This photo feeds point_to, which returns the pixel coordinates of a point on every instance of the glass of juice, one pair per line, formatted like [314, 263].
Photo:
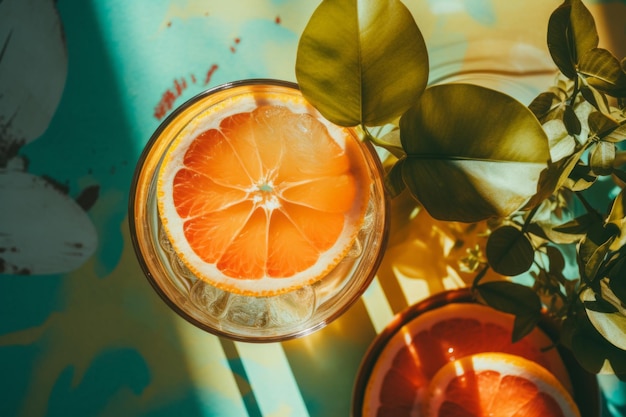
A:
[255, 218]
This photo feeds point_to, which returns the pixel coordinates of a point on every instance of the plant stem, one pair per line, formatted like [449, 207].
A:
[529, 218]
[480, 275]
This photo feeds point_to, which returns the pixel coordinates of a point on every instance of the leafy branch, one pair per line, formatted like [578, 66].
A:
[530, 170]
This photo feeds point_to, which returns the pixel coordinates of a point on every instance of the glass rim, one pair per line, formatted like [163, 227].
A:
[134, 203]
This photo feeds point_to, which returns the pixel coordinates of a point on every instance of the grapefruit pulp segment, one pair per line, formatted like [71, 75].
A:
[218, 157]
[289, 249]
[328, 194]
[417, 351]
[264, 199]
[497, 384]
[196, 193]
[245, 254]
[461, 329]
[212, 235]
[307, 221]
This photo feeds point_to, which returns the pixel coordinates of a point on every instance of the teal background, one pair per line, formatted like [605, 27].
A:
[96, 341]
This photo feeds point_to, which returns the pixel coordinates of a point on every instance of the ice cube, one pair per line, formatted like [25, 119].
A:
[210, 299]
[292, 307]
[248, 311]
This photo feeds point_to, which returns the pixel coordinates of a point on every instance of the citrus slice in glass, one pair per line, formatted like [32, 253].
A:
[497, 384]
[404, 368]
[259, 195]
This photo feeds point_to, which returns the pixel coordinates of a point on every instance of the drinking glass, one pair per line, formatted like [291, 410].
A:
[237, 316]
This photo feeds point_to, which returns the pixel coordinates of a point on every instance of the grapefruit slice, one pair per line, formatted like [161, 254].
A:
[414, 354]
[497, 384]
[259, 195]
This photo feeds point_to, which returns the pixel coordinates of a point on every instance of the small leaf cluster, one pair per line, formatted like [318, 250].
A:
[466, 153]
[584, 116]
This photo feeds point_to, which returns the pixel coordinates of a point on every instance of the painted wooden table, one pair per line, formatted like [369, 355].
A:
[81, 91]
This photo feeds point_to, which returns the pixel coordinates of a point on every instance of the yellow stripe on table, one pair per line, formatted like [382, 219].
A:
[271, 379]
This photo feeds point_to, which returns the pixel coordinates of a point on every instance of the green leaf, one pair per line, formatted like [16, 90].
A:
[509, 252]
[621, 175]
[600, 124]
[562, 144]
[590, 349]
[391, 142]
[555, 177]
[617, 279]
[571, 34]
[524, 324]
[583, 29]
[616, 135]
[572, 124]
[557, 260]
[515, 299]
[581, 177]
[595, 98]
[612, 326]
[546, 230]
[604, 72]
[617, 217]
[593, 239]
[510, 297]
[472, 152]
[393, 180]
[576, 226]
[617, 360]
[602, 158]
[539, 230]
[361, 61]
[543, 104]
[600, 306]
[558, 41]
[594, 248]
